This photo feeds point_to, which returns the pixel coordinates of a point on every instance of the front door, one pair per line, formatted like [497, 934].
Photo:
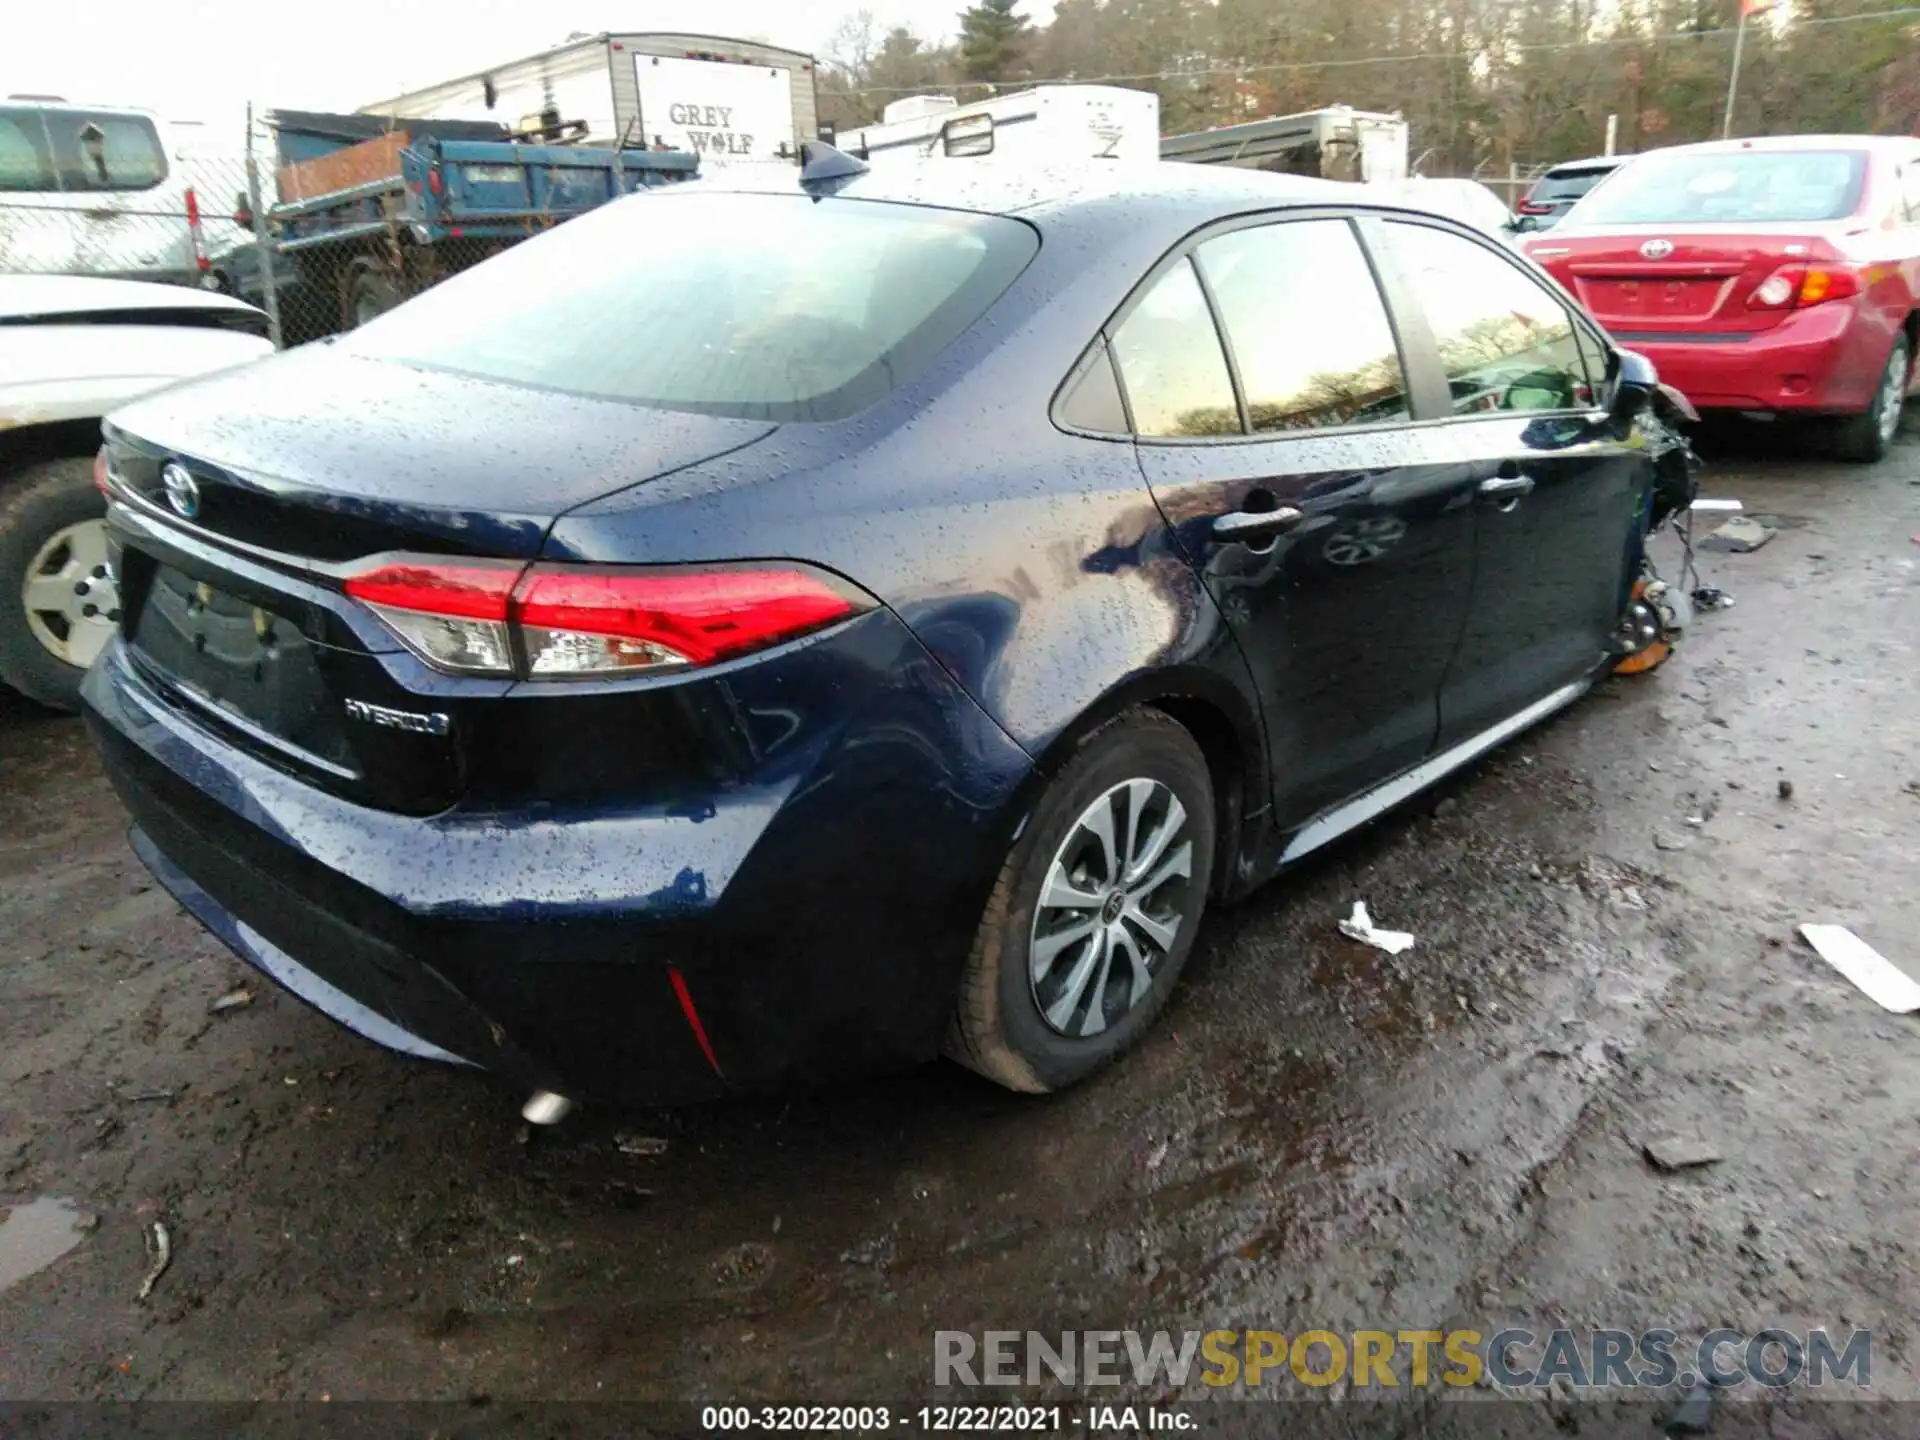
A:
[1560, 492]
[1336, 540]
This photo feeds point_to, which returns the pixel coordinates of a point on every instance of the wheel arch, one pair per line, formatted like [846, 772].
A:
[24, 445]
[1224, 723]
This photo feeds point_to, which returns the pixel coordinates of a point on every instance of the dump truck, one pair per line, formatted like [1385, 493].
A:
[374, 208]
[1334, 143]
[727, 101]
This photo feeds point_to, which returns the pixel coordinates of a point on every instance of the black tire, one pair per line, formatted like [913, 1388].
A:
[36, 503]
[999, 1030]
[1863, 438]
[369, 293]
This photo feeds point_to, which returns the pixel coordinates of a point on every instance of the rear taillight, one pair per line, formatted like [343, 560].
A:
[482, 617]
[1533, 207]
[1797, 285]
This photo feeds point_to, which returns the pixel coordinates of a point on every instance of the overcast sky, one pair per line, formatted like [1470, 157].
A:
[204, 59]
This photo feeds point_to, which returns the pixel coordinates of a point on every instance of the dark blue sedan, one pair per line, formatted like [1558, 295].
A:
[783, 627]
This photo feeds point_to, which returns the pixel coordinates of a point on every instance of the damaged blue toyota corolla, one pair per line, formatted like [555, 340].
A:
[782, 627]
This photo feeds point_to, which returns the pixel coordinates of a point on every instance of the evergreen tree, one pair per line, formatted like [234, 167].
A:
[993, 40]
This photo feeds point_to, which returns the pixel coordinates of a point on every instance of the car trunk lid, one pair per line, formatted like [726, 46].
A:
[1650, 281]
[244, 518]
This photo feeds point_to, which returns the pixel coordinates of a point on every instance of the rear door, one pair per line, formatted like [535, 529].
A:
[1267, 388]
[1559, 490]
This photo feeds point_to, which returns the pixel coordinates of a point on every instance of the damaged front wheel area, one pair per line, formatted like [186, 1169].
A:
[1656, 616]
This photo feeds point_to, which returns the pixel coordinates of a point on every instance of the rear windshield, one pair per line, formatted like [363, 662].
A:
[769, 307]
[1571, 185]
[63, 149]
[1729, 188]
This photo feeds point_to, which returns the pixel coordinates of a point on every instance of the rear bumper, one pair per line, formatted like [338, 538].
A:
[817, 921]
[1824, 360]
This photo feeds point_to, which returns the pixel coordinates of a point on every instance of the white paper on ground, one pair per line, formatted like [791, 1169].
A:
[1359, 926]
[1717, 505]
[1879, 978]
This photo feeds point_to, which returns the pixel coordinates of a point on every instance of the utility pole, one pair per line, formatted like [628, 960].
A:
[1747, 8]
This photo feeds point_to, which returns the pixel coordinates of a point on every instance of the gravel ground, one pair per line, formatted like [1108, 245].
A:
[1317, 1135]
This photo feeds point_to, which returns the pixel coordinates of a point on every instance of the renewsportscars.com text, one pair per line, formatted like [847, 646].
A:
[1391, 1359]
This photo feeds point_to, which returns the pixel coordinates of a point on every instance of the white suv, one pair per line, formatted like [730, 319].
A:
[71, 349]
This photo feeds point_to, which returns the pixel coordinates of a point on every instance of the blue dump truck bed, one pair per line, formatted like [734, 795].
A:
[374, 208]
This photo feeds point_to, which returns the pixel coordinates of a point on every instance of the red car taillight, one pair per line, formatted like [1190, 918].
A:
[1533, 207]
[1796, 285]
[487, 617]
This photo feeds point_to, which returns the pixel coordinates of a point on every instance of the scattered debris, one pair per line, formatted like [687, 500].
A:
[1359, 926]
[1741, 535]
[1883, 982]
[628, 1144]
[1664, 841]
[141, 1097]
[233, 1000]
[1671, 1152]
[87, 1222]
[1711, 597]
[1157, 1156]
[1786, 789]
[1704, 503]
[160, 1247]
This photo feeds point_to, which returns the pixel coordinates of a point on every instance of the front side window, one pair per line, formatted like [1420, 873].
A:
[1308, 328]
[97, 151]
[1729, 187]
[767, 307]
[1505, 341]
[1171, 362]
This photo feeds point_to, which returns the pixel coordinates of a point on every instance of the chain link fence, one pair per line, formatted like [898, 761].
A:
[320, 234]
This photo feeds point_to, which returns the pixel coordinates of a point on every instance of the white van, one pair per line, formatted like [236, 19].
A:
[94, 190]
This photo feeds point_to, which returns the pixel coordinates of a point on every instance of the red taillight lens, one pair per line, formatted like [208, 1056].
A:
[549, 621]
[1822, 283]
[586, 620]
[1799, 284]
[451, 613]
[1533, 207]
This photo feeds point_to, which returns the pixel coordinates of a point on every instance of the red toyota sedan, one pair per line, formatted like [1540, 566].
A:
[1778, 275]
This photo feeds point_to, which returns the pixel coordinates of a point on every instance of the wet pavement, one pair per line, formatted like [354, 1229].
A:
[1317, 1135]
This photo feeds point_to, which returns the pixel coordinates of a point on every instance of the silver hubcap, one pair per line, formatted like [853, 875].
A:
[1111, 908]
[1893, 395]
[71, 595]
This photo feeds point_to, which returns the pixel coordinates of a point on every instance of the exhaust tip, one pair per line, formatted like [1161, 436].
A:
[543, 1107]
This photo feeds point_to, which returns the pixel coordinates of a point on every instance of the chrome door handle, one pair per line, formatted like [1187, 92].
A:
[1242, 526]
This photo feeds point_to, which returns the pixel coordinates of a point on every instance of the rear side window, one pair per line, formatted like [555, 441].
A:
[1564, 187]
[1171, 362]
[1309, 331]
[98, 150]
[770, 307]
[1720, 187]
[26, 161]
[1506, 342]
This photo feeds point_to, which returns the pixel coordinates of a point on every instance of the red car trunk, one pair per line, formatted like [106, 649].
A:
[1641, 280]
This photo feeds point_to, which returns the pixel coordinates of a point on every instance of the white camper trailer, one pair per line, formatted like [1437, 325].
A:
[1335, 143]
[1050, 122]
[726, 100]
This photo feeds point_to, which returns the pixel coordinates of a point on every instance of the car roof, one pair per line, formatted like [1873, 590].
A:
[1596, 162]
[35, 296]
[1167, 197]
[1793, 142]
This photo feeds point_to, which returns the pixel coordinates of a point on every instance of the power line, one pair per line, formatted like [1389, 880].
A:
[1292, 66]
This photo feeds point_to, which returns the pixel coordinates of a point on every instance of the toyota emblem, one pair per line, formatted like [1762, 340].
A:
[1657, 249]
[183, 492]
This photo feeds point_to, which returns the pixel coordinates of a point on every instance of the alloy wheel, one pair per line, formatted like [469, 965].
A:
[1893, 394]
[71, 596]
[1111, 907]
